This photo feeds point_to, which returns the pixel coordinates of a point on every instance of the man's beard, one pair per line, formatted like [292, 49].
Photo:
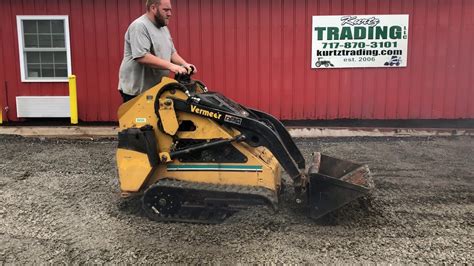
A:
[160, 21]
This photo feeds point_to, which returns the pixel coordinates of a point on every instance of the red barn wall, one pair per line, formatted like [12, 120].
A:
[258, 52]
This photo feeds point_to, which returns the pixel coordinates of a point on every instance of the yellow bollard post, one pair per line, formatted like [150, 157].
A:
[73, 99]
[1, 115]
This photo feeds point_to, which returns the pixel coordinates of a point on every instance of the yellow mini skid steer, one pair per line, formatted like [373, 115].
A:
[197, 156]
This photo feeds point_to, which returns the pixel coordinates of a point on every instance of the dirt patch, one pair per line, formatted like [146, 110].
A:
[59, 202]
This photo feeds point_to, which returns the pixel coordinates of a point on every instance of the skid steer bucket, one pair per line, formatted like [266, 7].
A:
[334, 182]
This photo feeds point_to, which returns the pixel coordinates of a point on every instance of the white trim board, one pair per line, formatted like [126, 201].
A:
[42, 106]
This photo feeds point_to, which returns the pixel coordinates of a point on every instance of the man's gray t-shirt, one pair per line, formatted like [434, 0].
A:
[143, 37]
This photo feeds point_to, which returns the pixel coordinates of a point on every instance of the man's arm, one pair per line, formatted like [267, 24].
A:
[156, 62]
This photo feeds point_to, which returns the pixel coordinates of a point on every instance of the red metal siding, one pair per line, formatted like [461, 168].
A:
[258, 53]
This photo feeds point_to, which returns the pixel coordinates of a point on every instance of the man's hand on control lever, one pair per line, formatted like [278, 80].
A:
[190, 68]
[184, 69]
[178, 69]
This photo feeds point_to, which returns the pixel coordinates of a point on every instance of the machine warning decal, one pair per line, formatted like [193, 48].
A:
[140, 120]
[233, 119]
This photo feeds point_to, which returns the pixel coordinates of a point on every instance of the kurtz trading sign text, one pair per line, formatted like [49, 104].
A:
[360, 41]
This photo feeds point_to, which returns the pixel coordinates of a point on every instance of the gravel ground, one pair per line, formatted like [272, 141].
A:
[60, 203]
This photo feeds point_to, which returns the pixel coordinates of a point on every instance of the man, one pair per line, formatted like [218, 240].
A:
[149, 52]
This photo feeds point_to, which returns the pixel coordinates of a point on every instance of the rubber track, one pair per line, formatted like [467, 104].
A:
[201, 213]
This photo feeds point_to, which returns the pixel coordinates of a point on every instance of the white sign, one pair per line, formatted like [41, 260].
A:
[360, 41]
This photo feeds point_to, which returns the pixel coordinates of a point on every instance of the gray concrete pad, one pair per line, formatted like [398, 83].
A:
[297, 132]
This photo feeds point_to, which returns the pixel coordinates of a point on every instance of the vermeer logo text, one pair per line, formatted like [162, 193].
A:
[203, 112]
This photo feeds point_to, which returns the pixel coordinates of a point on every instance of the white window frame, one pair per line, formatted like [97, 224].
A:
[19, 23]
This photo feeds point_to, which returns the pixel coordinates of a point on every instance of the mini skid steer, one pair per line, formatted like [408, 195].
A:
[196, 156]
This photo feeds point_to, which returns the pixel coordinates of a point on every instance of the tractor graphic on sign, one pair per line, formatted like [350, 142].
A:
[322, 62]
[394, 61]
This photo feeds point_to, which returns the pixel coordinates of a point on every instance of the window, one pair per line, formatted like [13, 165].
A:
[44, 48]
